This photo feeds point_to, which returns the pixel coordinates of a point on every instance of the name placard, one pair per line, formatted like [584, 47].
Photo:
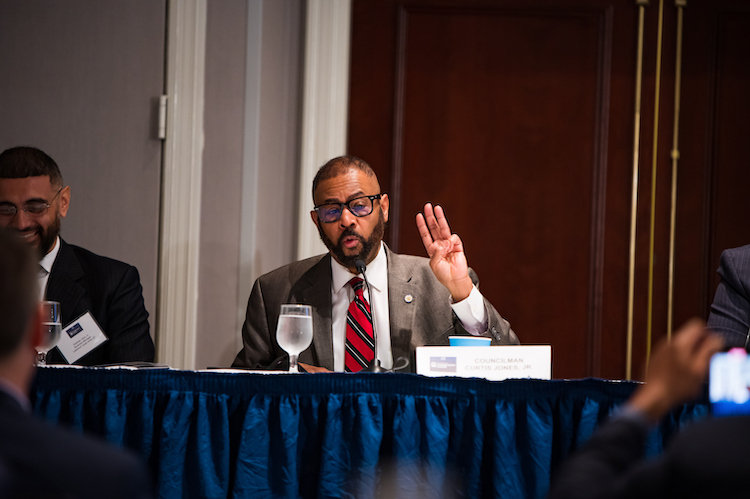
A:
[80, 337]
[495, 363]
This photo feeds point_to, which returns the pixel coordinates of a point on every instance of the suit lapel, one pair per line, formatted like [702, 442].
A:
[401, 300]
[314, 288]
[63, 284]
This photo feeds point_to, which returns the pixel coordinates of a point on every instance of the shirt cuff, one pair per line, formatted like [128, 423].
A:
[470, 311]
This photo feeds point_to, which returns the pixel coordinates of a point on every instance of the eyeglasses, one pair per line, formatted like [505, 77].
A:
[359, 207]
[34, 208]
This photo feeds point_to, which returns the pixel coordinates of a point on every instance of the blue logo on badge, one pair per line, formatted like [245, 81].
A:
[74, 329]
[443, 364]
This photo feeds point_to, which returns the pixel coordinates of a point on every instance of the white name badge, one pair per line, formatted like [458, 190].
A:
[80, 337]
[495, 363]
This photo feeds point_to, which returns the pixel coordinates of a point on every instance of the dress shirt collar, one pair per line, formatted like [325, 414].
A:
[49, 258]
[377, 272]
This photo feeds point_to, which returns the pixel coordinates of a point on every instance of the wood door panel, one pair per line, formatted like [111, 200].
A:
[497, 119]
[714, 178]
[481, 135]
[519, 118]
[732, 128]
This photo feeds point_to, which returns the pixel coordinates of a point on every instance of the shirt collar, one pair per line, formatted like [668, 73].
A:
[377, 272]
[49, 258]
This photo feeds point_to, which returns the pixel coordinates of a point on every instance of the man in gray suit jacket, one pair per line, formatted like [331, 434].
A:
[416, 301]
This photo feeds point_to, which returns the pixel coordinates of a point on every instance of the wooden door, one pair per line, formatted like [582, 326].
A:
[518, 117]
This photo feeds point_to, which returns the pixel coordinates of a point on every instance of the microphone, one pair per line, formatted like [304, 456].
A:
[374, 366]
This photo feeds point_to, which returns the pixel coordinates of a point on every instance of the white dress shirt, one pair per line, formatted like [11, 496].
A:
[470, 311]
[46, 263]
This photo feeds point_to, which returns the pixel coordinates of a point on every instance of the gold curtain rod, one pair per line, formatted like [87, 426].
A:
[654, 163]
[634, 191]
[680, 4]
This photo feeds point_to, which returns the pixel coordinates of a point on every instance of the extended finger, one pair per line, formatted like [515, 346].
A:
[442, 221]
[698, 343]
[424, 232]
[432, 223]
[689, 335]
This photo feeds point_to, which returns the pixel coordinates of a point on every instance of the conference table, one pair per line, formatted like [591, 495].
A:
[212, 434]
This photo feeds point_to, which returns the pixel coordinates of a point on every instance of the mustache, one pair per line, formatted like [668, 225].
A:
[350, 232]
[28, 230]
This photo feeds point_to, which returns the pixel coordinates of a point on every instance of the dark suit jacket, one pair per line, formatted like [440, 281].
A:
[426, 320]
[82, 281]
[708, 459]
[43, 461]
[730, 311]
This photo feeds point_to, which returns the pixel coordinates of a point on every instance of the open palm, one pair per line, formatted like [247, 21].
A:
[446, 251]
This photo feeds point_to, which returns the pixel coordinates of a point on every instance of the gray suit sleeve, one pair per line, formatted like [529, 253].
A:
[257, 342]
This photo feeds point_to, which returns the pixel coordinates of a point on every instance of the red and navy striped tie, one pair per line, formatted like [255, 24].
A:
[360, 348]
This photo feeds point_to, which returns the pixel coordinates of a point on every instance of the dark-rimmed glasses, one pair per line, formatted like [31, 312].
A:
[34, 208]
[359, 207]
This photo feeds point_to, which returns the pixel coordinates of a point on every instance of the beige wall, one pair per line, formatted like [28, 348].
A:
[81, 83]
[81, 117]
[226, 40]
[253, 61]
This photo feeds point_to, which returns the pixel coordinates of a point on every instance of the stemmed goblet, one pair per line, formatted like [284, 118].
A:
[51, 329]
[294, 331]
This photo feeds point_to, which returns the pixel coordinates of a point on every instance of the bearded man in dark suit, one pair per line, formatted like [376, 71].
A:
[415, 301]
[37, 459]
[33, 200]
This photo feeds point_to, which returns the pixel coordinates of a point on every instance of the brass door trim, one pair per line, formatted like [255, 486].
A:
[634, 192]
[680, 5]
[654, 163]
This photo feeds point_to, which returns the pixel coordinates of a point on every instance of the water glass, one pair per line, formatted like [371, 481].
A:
[294, 331]
[51, 329]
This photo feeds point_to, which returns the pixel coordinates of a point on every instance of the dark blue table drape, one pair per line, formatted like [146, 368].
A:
[338, 435]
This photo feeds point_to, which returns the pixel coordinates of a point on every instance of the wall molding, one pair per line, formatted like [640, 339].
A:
[325, 104]
[181, 185]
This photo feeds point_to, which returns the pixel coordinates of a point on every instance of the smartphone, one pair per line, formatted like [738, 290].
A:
[729, 383]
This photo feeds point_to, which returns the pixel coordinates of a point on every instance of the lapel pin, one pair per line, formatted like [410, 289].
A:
[408, 298]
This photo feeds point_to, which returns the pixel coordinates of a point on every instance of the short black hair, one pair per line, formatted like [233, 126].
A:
[338, 166]
[18, 290]
[23, 161]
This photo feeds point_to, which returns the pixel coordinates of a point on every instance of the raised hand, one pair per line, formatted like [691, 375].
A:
[677, 370]
[446, 251]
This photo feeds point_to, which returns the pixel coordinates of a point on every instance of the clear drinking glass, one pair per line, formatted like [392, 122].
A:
[51, 329]
[294, 331]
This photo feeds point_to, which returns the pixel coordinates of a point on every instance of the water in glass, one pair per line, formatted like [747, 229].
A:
[51, 334]
[294, 331]
[51, 329]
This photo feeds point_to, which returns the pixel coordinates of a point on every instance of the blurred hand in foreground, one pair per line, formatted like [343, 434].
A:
[677, 370]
